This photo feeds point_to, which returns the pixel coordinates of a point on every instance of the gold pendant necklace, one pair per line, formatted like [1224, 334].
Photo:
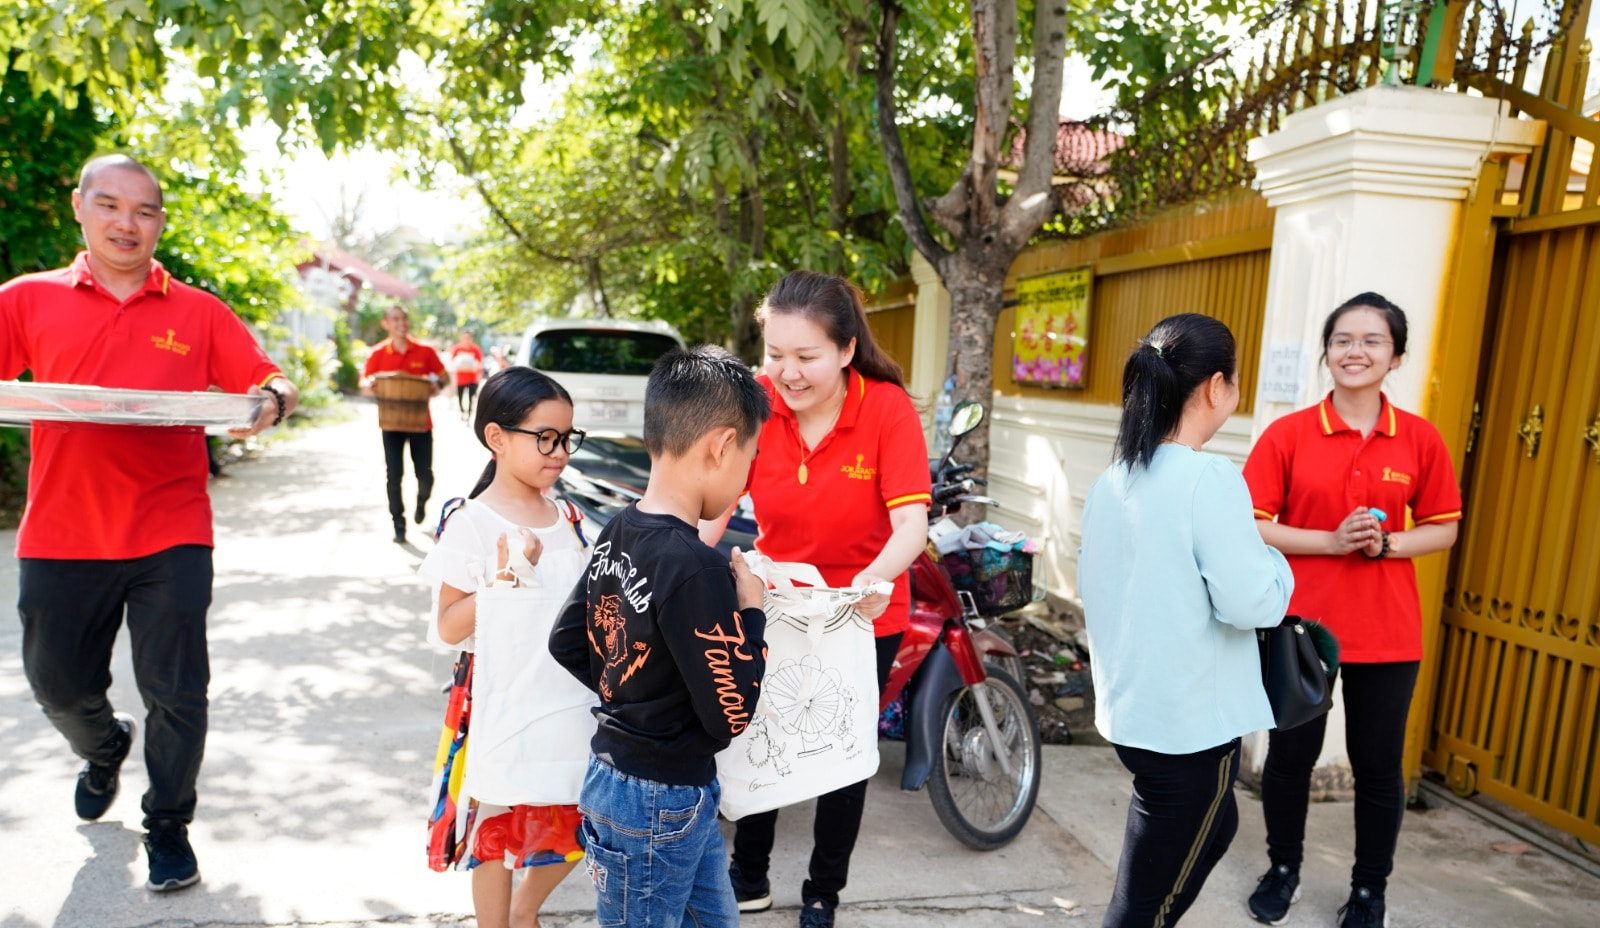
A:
[803, 472]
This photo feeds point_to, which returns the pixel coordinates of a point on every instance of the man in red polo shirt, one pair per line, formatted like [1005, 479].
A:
[118, 523]
[400, 354]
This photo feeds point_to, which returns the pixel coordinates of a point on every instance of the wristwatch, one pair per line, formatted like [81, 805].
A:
[278, 396]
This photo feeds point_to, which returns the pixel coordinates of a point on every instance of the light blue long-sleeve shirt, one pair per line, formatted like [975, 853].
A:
[1175, 579]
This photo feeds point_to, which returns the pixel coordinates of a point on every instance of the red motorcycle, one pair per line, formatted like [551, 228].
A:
[955, 694]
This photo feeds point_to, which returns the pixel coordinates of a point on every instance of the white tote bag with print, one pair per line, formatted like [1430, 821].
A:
[528, 741]
[815, 728]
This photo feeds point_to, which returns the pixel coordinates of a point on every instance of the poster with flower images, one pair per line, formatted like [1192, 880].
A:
[1050, 339]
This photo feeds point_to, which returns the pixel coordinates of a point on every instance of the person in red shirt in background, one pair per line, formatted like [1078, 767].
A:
[118, 523]
[466, 361]
[1332, 486]
[841, 482]
[399, 353]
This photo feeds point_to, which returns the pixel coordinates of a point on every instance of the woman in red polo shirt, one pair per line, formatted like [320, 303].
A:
[1332, 486]
[841, 482]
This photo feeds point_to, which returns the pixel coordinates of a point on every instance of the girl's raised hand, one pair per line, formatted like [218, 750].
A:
[1358, 531]
[509, 568]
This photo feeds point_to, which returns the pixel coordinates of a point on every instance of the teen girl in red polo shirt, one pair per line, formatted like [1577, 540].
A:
[841, 482]
[1316, 477]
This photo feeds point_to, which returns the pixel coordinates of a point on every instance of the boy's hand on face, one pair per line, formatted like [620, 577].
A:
[749, 587]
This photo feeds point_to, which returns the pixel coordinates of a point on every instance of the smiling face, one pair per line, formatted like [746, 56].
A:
[397, 323]
[517, 454]
[1360, 349]
[804, 363]
[120, 211]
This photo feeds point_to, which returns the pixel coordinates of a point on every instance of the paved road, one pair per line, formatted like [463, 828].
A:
[325, 707]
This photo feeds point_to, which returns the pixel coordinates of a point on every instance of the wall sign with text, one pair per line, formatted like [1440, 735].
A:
[1050, 340]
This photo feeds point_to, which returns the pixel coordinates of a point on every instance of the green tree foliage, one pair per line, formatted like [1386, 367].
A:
[46, 142]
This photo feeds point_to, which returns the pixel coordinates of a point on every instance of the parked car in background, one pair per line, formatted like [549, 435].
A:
[603, 363]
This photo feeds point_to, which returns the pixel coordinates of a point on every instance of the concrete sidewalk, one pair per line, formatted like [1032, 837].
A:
[326, 707]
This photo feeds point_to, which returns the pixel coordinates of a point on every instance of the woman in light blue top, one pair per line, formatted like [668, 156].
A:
[1175, 579]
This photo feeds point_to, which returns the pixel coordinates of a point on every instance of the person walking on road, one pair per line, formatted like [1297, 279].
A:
[118, 523]
[400, 354]
[841, 483]
[466, 361]
[1332, 486]
[1175, 580]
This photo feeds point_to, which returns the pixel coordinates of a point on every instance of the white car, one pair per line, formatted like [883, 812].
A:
[603, 363]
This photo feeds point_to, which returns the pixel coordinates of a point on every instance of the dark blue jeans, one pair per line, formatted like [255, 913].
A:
[654, 852]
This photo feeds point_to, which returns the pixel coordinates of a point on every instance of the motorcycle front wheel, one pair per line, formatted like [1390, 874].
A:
[981, 804]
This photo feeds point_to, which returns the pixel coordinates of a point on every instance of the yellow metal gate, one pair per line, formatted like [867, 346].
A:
[1517, 714]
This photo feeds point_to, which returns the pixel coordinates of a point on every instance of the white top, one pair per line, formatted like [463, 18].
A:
[464, 557]
[1175, 579]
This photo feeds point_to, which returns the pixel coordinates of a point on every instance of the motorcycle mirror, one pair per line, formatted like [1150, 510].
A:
[965, 418]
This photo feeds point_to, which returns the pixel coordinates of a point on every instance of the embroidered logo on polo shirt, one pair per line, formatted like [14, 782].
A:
[170, 343]
[856, 471]
[1394, 476]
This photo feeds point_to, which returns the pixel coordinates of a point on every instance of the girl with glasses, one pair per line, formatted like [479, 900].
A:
[1332, 487]
[510, 531]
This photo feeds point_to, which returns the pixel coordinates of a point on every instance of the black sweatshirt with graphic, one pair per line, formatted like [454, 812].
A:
[654, 627]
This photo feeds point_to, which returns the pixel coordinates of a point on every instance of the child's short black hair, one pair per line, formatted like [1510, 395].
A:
[692, 392]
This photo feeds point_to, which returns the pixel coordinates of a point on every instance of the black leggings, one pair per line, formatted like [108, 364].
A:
[833, 833]
[466, 394]
[1180, 823]
[1377, 699]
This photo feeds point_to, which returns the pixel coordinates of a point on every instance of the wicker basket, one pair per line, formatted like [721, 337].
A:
[403, 402]
[999, 581]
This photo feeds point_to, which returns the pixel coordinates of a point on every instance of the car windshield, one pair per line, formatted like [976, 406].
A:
[591, 351]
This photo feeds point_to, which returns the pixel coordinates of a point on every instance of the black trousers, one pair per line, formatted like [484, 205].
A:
[833, 832]
[1180, 823]
[71, 612]
[466, 395]
[394, 444]
[1377, 699]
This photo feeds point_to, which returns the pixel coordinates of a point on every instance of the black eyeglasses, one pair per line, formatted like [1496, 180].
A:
[547, 440]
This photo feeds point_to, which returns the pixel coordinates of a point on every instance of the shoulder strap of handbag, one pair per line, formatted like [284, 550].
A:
[450, 508]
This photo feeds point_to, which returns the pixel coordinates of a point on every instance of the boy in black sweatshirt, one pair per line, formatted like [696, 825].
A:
[670, 635]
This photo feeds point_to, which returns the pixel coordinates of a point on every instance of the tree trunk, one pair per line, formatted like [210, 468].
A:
[597, 286]
[977, 290]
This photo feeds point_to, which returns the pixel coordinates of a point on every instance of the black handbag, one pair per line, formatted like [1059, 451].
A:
[1297, 677]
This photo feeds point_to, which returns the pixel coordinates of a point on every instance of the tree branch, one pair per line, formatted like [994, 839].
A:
[994, 47]
[905, 191]
[1032, 203]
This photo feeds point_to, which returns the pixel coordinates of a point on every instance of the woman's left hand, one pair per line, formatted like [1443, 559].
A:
[874, 605]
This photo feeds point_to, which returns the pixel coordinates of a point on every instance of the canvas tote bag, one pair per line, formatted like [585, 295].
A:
[814, 729]
[531, 723]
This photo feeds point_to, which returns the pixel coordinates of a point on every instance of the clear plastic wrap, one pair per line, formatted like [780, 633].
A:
[62, 402]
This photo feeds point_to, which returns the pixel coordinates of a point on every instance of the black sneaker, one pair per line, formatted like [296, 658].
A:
[98, 783]
[1277, 889]
[816, 914]
[1364, 909]
[172, 862]
[751, 897]
[421, 514]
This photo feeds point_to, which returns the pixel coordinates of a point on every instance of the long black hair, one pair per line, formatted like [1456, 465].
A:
[507, 398]
[1179, 354]
[1378, 303]
[835, 305]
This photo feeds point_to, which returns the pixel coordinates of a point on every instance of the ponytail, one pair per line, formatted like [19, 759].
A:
[1180, 353]
[836, 306]
[483, 481]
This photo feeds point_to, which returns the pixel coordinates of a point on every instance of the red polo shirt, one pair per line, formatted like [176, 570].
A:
[1310, 470]
[874, 460]
[469, 375]
[112, 492]
[418, 360]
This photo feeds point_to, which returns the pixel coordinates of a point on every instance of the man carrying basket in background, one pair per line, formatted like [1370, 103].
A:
[404, 374]
[118, 522]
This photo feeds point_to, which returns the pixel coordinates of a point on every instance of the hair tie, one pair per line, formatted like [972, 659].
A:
[1158, 350]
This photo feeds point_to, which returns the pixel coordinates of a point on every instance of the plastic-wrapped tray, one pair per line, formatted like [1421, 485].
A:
[62, 402]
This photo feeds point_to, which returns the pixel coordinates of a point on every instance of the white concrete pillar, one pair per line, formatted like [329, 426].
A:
[930, 338]
[1369, 190]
